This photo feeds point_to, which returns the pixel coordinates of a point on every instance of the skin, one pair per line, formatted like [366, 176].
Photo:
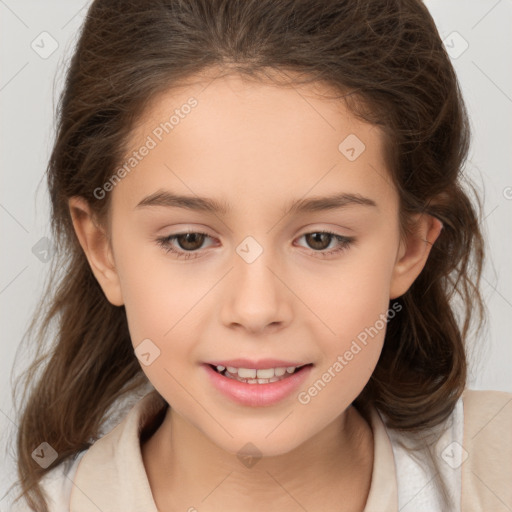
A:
[256, 146]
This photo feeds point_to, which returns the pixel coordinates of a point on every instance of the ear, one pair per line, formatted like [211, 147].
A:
[413, 253]
[96, 245]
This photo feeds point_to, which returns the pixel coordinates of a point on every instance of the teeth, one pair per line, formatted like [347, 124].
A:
[247, 373]
[266, 373]
[254, 376]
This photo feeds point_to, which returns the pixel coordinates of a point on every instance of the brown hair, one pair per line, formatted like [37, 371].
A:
[388, 63]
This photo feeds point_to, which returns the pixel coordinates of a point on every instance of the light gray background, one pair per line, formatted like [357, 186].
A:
[29, 87]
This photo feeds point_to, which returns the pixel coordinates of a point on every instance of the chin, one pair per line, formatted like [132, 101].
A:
[267, 441]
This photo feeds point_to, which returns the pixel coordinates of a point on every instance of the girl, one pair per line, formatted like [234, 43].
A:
[263, 231]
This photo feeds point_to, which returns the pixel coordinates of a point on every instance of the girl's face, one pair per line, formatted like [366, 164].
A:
[263, 282]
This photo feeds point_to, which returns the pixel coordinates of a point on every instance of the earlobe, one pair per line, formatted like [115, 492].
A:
[96, 246]
[413, 254]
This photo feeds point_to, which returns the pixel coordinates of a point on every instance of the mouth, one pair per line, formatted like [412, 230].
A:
[260, 375]
[267, 385]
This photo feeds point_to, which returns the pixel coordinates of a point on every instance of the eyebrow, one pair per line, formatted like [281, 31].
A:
[312, 204]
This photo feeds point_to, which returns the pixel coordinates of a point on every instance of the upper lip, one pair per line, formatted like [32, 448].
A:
[257, 365]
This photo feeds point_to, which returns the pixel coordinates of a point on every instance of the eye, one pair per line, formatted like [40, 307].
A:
[320, 240]
[189, 242]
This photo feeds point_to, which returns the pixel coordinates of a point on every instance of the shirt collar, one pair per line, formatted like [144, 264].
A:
[111, 475]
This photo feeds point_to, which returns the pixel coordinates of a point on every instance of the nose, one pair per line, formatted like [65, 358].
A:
[256, 298]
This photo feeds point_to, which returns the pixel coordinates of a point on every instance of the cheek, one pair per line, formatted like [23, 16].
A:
[157, 291]
[353, 295]
[159, 303]
[164, 303]
[353, 303]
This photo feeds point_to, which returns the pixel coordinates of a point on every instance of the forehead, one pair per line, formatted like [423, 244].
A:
[231, 137]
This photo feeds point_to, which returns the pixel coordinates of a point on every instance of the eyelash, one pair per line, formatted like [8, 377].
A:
[165, 242]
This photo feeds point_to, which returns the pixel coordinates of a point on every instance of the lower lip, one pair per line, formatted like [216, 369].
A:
[257, 395]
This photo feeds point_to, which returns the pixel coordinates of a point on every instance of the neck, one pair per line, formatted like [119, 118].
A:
[183, 464]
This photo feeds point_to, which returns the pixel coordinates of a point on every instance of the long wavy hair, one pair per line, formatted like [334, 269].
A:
[386, 59]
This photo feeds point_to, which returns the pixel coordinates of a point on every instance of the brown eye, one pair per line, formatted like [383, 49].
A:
[190, 241]
[319, 240]
[188, 244]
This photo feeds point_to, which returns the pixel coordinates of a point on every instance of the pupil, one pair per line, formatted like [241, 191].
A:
[316, 239]
[192, 236]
